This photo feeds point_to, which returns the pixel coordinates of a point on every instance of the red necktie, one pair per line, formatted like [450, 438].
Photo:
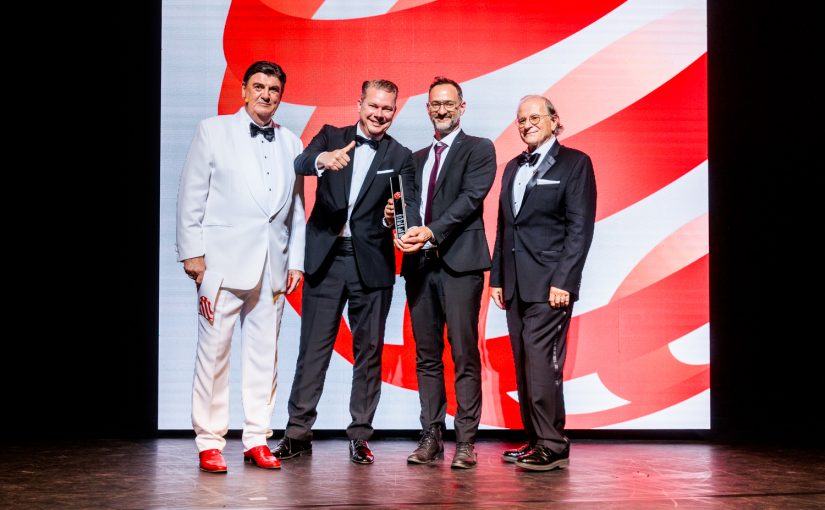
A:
[428, 208]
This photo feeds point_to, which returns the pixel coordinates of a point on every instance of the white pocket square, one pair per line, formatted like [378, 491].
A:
[385, 171]
[539, 182]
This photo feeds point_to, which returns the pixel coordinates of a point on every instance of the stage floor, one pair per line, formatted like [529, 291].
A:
[615, 474]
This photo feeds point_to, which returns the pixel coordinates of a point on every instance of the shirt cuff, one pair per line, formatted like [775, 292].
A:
[319, 171]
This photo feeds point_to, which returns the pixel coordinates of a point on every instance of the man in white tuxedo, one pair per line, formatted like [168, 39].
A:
[240, 236]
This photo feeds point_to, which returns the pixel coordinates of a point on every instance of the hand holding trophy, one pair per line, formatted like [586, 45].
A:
[399, 208]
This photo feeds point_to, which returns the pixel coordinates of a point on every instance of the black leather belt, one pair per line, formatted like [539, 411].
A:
[431, 254]
[343, 246]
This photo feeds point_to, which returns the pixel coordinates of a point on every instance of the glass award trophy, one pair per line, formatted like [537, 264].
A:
[398, 201]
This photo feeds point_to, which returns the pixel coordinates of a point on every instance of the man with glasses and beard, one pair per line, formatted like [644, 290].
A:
[445, 257]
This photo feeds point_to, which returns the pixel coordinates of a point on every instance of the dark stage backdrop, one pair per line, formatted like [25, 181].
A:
[764, 215]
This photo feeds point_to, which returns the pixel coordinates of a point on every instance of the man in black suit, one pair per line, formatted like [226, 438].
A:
[349, 259]
[444, 263]
[547, 211]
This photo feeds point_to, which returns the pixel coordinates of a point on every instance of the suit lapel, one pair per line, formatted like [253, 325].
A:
[444, 165]
[548, 161]
[507, 187]
[248, 163]
[545, 165]
[285, 176]
[349, 135]
[383, 145]
[420, 159]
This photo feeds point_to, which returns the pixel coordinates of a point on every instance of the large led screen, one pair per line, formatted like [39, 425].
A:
[629, 80]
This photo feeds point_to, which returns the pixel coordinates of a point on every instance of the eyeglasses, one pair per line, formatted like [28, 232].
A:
[534, 119]
[448, 105]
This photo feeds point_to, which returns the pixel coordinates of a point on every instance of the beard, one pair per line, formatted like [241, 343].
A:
[446, 125]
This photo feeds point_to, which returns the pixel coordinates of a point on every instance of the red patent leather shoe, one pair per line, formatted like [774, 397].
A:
[262, 457]
[212, 461]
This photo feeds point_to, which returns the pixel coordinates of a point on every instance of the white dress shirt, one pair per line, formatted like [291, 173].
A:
[525, 172]
[269, 161]
[428, 169]
[361, 161]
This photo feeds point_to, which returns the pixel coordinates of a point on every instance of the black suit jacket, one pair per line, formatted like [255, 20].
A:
[547, 243]
[465, 178]
[371, 240]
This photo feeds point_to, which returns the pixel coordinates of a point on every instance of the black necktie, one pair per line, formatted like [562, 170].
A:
[268, 132]
[369, 141]
[528, 159]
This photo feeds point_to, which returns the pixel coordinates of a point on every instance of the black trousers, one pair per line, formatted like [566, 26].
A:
[538, 335]
[436, 297]
[323, 300]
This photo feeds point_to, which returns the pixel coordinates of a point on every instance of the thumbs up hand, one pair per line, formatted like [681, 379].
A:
[335, 160]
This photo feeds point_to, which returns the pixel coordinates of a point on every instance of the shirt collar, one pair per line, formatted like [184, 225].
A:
[447, 140]
[360, 131]
[544, 148]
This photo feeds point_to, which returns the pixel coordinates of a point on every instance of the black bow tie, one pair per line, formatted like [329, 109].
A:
[369, 141]
[528, 159]
[268, 132]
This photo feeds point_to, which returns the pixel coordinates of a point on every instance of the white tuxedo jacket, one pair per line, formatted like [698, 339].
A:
[223, 209]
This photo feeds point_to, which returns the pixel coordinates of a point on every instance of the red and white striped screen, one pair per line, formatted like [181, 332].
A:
[629, 80]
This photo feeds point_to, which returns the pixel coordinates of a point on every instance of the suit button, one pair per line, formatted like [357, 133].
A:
[513, 250]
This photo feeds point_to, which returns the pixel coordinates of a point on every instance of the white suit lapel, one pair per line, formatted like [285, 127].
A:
[248, 162]
[284, 176]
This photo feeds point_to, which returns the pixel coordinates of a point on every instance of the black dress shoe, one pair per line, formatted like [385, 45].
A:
[512, 455]
[430, 447]
[288, 448]
[359, 452]
[541, 458]
[465, 456]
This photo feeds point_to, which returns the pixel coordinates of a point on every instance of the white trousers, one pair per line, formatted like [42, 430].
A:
[260, 313]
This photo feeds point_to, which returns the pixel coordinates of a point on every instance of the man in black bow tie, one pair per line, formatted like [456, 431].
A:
[546, 216]
[349, 260]
[240, 236]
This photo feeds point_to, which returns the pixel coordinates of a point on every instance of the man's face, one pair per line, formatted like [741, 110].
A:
[262, 94]
[376, 111]
[445, 108]
[533, 110]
